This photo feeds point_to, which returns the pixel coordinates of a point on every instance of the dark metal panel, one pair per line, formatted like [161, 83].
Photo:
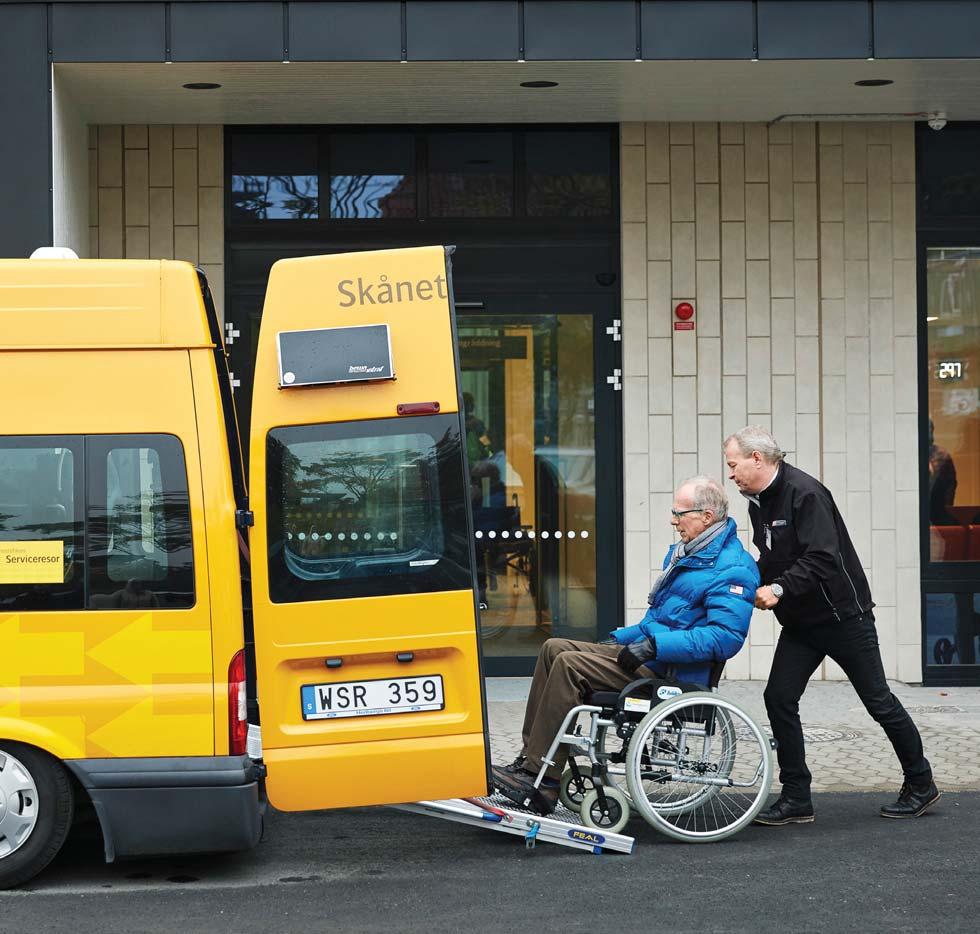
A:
[698, 29]
[226, 32]
[927, 29]
[345, 32]
[108, 32]
[814, 29]
[481, 30]
[25, 154]
[576, 30]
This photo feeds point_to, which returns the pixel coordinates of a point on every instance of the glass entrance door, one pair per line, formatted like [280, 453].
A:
[529, 391]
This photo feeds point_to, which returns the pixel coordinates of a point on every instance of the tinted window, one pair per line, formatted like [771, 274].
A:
[471, 174]
[274, 177]
[953, 628]
[366, 509]
[41, 512]
[117, 508]
[568, 174]
[950, 177]
[372, 175]
[139, 539]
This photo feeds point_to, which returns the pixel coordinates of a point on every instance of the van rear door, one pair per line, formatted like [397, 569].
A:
[368, 655]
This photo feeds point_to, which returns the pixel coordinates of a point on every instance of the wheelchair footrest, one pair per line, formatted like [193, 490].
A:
[497, 813]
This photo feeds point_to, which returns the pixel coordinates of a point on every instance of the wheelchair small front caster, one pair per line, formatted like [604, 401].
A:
[613, 818]
[572, 790]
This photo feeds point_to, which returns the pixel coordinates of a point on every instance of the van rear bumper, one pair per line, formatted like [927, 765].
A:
[155, 807]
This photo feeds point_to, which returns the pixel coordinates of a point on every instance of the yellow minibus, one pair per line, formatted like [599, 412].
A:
[136, 578]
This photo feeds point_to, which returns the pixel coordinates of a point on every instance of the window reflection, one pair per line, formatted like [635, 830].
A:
[954, 404]
[372, 175]
[471, 174]
[274, 176]
[952, 628]
[568, 174]
[276, 197]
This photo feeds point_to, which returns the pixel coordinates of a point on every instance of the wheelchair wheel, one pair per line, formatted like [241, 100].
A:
[569, 793]
[699, 768]
[614, 818]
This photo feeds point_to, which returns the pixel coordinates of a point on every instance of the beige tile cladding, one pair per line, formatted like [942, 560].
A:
[157, 193]
[797, 245]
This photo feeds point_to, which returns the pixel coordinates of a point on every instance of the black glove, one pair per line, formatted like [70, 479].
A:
[635, 654]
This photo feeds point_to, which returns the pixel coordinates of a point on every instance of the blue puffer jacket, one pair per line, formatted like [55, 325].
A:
[701, 613]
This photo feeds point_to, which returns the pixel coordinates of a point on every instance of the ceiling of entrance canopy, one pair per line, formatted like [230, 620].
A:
[491, 92]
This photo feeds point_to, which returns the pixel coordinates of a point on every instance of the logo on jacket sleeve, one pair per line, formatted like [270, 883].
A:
[736, 588]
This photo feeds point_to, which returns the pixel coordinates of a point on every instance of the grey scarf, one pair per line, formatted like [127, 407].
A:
[683, 550]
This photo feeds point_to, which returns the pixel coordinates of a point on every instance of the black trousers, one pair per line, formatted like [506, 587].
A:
[853, 644]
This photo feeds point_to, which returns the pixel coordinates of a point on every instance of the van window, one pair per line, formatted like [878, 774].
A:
[139, 536]
[367, 509]
[118, 507]
[41, 505]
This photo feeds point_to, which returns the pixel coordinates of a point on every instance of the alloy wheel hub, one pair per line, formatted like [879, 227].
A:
[18, 805]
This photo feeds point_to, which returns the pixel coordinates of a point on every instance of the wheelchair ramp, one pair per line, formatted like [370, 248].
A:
[562, 826]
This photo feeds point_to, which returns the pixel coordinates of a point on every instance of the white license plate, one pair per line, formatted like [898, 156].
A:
[371, 698]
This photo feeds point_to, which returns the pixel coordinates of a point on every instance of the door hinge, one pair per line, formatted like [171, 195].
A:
[244, 518]
[615, 330]
[615, 380]
[231, 332]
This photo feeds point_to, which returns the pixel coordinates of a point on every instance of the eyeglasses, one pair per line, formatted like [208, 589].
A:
[683, 512]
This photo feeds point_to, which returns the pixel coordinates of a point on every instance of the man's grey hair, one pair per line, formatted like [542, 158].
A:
[754, 438]
[708, 493]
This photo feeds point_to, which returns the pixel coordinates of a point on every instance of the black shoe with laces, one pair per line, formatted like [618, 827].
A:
[786, 810]
[516, 766]
[519, 787]
[912, 801]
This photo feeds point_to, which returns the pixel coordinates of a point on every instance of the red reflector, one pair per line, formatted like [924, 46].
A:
[237, 714]
[418, 408]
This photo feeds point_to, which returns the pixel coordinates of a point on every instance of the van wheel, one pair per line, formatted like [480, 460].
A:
[36, 809]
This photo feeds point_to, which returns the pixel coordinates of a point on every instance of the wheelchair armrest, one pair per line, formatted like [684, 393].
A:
[634, 686]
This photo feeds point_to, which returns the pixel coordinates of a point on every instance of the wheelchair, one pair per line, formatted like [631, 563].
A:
[693, 765]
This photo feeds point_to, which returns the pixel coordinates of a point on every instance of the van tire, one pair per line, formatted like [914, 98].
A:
[55, 810]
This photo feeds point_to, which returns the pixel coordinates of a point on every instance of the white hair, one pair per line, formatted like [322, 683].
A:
[708, 493]
[754, 438]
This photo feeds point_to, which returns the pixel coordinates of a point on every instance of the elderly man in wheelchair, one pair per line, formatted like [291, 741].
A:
[656, 742]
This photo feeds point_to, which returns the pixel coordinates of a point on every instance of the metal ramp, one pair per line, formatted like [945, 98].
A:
[496, 812]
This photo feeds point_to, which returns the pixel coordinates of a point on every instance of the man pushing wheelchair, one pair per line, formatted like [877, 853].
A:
[699, 611]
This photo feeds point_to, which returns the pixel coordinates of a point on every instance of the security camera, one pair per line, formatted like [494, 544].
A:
[937, 121]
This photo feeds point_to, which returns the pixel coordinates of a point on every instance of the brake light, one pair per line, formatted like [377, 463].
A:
[237, 713]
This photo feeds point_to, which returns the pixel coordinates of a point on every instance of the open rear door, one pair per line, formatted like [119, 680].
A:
[368, 656]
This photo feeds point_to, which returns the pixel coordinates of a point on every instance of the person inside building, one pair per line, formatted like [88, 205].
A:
[699, 612]
[942, 481]
[812, 579]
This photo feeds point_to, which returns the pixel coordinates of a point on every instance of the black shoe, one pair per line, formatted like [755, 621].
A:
[516, 766]
[912, 802]
[786, 811]
[519, 788]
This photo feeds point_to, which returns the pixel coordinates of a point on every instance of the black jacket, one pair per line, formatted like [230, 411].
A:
[804, 546]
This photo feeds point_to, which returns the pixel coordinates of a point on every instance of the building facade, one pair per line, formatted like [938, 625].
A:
[673, 218]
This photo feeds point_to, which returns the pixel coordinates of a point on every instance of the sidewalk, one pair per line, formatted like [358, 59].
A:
[846, 749]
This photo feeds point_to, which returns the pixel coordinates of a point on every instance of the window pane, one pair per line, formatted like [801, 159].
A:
[140, 534]
[37, 514]
[950, 177]
[274, 177]
[372, 175]
[366, 509]
[471, 174]
[952, 628]
[954, 403]
[568, 174]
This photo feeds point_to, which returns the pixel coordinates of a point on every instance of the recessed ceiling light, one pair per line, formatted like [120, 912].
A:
[539, 84]
[202, 86]
[873, 82]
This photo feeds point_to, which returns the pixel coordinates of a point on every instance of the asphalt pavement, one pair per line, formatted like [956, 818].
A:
[380, 870]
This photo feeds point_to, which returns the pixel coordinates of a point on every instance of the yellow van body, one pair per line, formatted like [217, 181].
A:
[133, 698]
[125, 599]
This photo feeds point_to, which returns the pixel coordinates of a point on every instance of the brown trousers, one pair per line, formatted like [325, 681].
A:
[566, 671]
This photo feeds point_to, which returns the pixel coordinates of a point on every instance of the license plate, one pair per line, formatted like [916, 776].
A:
[371, 698]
